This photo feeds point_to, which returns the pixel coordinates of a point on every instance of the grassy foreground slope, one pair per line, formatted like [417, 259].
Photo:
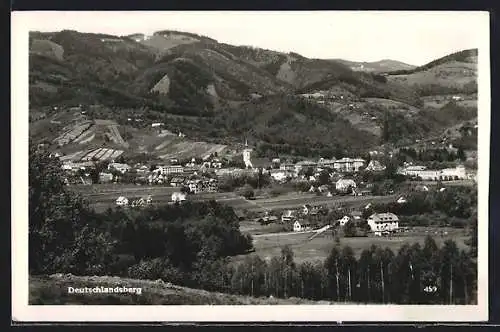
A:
[53, 290]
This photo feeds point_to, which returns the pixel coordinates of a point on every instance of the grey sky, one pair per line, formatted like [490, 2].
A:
[412, 37]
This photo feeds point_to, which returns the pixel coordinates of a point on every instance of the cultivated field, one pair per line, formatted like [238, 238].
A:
[269, 245]
[296, 200]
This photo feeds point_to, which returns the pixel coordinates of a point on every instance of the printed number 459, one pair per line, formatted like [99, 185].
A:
[430, 289]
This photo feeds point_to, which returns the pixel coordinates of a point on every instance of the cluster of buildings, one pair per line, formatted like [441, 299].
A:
[446, 174]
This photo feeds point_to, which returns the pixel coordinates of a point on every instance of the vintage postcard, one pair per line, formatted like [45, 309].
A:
[314, 166]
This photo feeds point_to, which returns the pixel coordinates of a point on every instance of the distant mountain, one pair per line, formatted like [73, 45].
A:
[205, 88]
[381, 66]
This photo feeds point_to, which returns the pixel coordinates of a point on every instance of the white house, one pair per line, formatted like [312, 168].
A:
[344, 220]
[178, 197]
[348, 164]
[121, 201]
[170, 169]
[343, 185]
[300, 226]
[383, 222]
[122, 168]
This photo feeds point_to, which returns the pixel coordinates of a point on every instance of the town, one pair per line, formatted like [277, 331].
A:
[329, 180]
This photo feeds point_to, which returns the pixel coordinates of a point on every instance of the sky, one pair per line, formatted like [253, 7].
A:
[411, 37]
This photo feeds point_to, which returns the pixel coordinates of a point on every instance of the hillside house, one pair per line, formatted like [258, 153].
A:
[383, 222]
[288, 216]
[301, 226]
[375, 166]
[348, 165]
[178, 197]
[345, 185]
[306, 209]
[121, 201]
[122, 168]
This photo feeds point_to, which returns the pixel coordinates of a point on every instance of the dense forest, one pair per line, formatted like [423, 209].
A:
[191, 245]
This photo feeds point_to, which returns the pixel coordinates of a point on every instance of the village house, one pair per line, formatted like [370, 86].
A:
[279, 175]
[267, 218]
[303, 165]
[421, 188]
[344, 220]
[348, 165]
[121, 201]
[375, 166]
[383, 222]
[122, 168]
[356, 215]
[195, 186]
[170, 169]
[177, 181]
[287, 167]
[301, 226]
[105, 177]
[288, 216]
[345, 185]
[210, 185]
[326, 163]
[178, 197]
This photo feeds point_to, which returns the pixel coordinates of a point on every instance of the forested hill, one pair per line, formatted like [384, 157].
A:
[203, 81]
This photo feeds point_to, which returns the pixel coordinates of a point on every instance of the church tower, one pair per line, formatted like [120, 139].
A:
[247, 152]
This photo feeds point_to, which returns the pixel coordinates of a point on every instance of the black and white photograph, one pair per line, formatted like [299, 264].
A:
[284, 166]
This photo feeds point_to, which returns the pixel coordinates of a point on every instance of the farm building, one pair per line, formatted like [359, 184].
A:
[357, 215]
[381, 222]
[288, 216]
[421, 188]
[178, 197]
[345, 185]
[267, 218]
[121, 201]
[301, 226]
